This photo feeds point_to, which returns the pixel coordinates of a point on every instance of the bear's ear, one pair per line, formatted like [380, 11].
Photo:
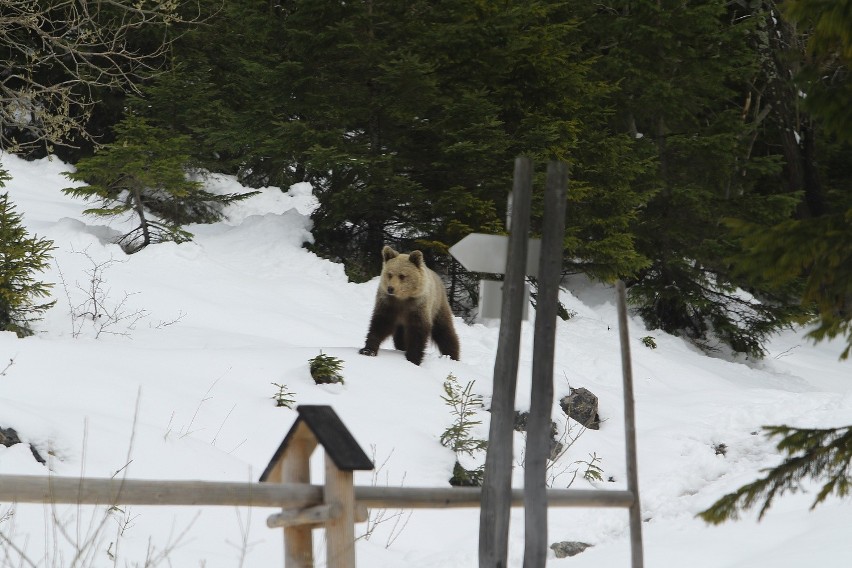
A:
[416, 258]
[388, 253]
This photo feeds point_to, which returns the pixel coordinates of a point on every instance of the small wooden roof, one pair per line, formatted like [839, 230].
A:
[331, 434]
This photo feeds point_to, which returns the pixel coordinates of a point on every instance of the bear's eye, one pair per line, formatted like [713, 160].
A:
[402, 276]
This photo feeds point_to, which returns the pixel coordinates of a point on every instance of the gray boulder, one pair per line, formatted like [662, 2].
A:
[569, 548]
[582, 405]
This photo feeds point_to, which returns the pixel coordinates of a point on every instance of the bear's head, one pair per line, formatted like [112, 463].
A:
[402, 274]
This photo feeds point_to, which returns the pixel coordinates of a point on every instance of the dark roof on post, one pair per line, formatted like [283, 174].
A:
[331, 434]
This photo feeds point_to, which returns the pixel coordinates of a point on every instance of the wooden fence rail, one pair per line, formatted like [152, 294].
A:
[105, 491]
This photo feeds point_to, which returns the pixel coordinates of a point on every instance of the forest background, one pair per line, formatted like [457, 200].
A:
[709, 141]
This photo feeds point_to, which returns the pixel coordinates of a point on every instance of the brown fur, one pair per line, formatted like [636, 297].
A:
[411, 305]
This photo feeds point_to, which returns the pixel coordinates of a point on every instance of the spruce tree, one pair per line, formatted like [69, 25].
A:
[406, 118]
[810, 253]
[528, 65]
[144, 174]
[810, 454]
[687, 71]
[21, 256]
[813, 251]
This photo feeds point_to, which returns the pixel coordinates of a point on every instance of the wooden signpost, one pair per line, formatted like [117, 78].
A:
[488, 254]
[497, 486]
[544, 346]
[518, 256]
[319, 425]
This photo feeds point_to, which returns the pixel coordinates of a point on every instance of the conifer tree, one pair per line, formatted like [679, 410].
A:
[406, 118]
[21, 256]
[687, 69]
[810, 454]
[144, 174]
[811, 253]
[817, 251]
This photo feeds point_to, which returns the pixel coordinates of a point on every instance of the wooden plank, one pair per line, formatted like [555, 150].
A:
[340, 530]
[313, 517]
[635, 514]
[316, 515]
[496, 489]
[94, 491]
[466, 497]
[105, 491]
[295, 466]
[541, 399]
[335, 438]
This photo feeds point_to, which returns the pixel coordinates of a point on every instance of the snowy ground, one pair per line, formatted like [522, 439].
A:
[186, 393]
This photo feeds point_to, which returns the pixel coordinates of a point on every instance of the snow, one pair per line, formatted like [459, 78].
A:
[182, 386]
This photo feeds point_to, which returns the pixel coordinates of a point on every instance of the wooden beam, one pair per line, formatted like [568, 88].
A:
[636, 548]
[94, 491]
[312, 517]
[544, 347]
[494, 516]
[106, 491]
[340, 530]
[295, 465]
[315, 515]
[462, 497]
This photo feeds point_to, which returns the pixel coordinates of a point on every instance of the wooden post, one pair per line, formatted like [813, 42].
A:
[340, 531]
[541, 401]
[497, 486]
[636, 554]
[298, 541]
[319, 425]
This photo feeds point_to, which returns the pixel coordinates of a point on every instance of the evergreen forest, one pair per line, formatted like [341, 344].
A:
[709, 141]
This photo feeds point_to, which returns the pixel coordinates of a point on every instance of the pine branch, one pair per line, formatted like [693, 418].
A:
[815, 454]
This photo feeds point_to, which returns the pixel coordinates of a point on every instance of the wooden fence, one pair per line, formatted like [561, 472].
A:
[98, 491]
[303, 506]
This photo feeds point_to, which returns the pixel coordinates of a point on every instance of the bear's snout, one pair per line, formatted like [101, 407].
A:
[390, 290]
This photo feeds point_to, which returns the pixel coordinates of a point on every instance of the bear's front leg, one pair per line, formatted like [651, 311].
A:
[399, 338]
[417, 331]
[382, 325]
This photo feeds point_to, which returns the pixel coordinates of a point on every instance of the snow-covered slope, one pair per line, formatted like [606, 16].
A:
[179, 385]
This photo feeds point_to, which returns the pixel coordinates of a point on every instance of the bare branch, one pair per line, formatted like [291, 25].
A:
[57, 53]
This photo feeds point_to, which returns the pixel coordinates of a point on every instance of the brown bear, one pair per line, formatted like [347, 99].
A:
[411, 305]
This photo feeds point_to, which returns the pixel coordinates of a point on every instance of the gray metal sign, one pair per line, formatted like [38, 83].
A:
[479, 252]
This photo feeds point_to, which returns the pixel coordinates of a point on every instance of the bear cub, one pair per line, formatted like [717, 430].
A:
[411, 305]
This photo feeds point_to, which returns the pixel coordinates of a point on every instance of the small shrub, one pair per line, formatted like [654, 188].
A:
[463, 477]
[564, 313]
[593, 471]
[92, 306]
[464, 405]
[458, 436]
[21, 257]
[325, 369]
[283, 397]
[648, 342]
